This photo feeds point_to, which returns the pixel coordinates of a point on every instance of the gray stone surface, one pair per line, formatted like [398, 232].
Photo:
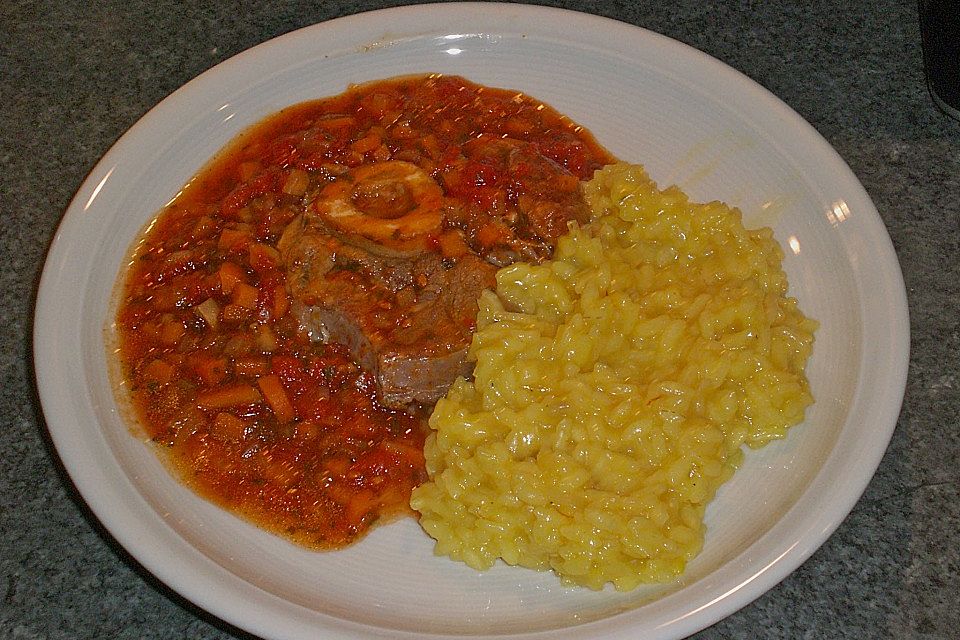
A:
[75, 75]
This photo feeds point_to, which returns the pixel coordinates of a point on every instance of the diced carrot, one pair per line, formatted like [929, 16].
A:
[228, 426]
[566, 182]
[158, 371]
[452, 244]
[353, 159]
[431, 146]
[245, 295]
[367, 143]
[361, 503]
[518, 127]
[230, 275]
[276, 397]
[263, 257]
[233, 395]
[235, 313]
[296, 183]
[234, 239]
[166, 298]
[289, 368]
[281, 303]
[150, 330]
[489, 234]
[452, 179]
[403, 130]
[404, 453]
[382, 153]
[212, 371]
[210, 283]
[389, 117]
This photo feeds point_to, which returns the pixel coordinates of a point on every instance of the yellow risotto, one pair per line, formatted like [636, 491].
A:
[614, 388]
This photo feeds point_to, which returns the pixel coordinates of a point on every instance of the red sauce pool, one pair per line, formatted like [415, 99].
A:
[250, 413]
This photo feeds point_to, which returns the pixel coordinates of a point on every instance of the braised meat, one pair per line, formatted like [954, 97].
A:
[405, 311]
[407, 320]
[390, 262]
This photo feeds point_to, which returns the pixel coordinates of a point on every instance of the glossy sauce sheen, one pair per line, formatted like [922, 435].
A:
[254, 416]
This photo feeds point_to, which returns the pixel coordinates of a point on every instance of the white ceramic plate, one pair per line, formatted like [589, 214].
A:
[691, 121]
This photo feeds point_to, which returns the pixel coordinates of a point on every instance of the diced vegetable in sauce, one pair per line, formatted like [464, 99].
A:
[253, 414]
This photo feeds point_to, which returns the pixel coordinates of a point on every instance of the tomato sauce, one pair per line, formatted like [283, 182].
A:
[252, 414]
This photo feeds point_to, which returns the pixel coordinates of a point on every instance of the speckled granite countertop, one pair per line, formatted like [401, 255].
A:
[76, 75]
